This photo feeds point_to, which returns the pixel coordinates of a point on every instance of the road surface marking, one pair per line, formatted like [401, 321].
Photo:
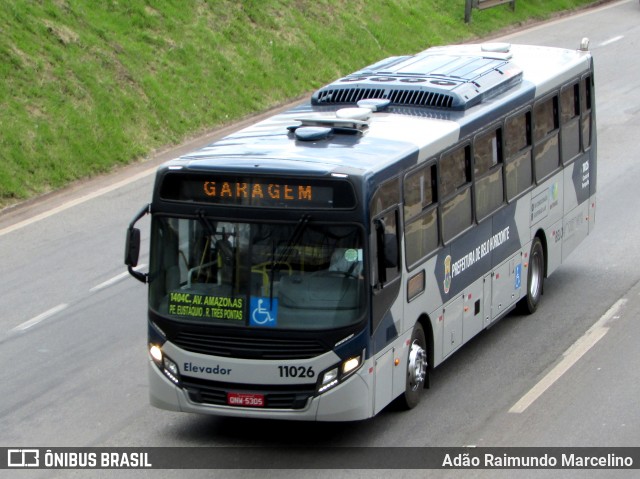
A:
[571, 356]
[41, 317]
[77, 201]
[114, 280]
[610, 41]
[588, 11]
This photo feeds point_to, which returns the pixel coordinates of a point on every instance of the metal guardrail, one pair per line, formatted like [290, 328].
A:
[482, 4]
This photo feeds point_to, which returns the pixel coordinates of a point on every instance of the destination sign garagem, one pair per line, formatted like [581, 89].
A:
[258, 192]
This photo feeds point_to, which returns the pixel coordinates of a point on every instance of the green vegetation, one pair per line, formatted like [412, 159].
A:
[89, 85]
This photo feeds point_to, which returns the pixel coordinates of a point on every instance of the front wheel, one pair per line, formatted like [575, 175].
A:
[416, 369]
[535, 278]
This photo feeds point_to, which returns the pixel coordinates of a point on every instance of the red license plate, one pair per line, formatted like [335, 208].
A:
[245, 400]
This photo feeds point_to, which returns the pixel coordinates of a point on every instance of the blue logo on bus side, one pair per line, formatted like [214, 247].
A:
[518, 273]
[263, 312]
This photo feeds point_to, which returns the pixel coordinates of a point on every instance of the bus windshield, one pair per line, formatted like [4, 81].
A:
[296, 276]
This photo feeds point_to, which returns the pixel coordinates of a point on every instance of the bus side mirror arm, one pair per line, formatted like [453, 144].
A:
[132, 246]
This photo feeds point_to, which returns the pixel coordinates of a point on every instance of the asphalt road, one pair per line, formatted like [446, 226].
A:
[73, 325]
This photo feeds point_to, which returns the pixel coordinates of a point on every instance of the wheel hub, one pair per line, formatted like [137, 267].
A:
[536, 274]
[417, 367]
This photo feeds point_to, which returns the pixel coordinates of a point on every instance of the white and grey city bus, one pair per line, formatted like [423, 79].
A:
[317, 265]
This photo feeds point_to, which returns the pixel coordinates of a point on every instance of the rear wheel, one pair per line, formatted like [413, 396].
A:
[416, 369]
[535, 278]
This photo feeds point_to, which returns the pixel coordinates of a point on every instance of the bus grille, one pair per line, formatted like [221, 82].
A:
[248, 347]
[276, 397]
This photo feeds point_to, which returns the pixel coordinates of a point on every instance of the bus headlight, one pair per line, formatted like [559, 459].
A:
[329, 379]
[156, 354]
[336, 375]
[164, 363]
[351, 365]
[171, 370]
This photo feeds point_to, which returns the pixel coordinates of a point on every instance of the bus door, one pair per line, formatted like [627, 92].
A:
[387, 302]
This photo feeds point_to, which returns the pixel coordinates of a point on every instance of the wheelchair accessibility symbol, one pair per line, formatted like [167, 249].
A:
[264, 312]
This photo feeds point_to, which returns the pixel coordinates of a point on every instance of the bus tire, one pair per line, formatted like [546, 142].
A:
[417, 369]
[535, 278]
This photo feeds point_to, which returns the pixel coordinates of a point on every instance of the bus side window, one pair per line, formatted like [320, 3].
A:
[546, 156]
[487, 160]
[420, 213]
[385, 231]
[517, 152]
[387, 195]
[386, 228]
[570, 122]
[455, 185]
[585, 109]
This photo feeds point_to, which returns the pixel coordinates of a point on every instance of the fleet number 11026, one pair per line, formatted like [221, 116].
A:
[296, 372]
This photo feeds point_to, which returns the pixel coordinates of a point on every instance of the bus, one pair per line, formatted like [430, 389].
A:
[317, 265]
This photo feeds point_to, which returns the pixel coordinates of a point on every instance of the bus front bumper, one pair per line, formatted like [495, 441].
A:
[348, 401]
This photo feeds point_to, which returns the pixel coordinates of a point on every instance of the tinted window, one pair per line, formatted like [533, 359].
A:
[569, 122]
[518, 174]
[419, 191]
[517, 141]
[420, 213]
[486, 151]
[454, 170]
[421, 236]
[517, 133]
[544, 118]
[585, 102]
[546, 156]
[487, 160]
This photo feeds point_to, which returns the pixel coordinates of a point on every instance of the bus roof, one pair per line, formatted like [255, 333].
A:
[481, 81]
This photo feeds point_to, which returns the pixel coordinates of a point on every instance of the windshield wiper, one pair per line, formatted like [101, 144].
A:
[205, 222]
[294, 240]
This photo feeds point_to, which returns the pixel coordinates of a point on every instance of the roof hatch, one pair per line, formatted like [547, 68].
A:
[436, 78]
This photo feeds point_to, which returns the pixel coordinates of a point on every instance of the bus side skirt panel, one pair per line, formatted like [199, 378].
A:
[383, 380]
[575, 228]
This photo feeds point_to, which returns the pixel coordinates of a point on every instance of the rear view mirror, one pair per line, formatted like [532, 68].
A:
[132, 247]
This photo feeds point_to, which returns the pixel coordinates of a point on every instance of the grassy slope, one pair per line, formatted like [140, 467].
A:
[89, 85]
